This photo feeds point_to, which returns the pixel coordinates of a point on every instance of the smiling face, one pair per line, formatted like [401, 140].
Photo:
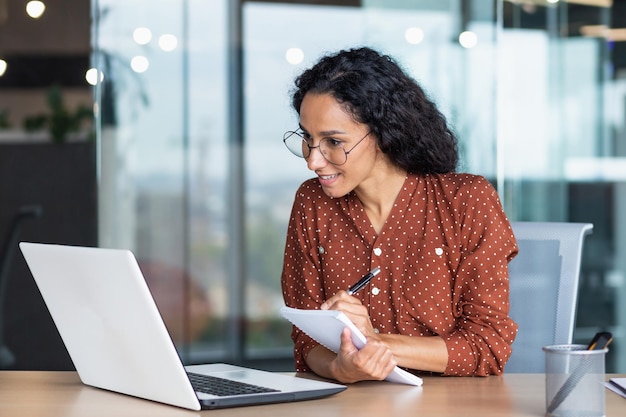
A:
[323, 118]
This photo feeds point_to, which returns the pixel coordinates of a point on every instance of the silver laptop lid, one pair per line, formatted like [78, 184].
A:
[114, 333]
[109, 322]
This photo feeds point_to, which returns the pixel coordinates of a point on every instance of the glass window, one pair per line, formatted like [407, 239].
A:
[164, 160]
[195, 179]
[426, 42]
[558, 134]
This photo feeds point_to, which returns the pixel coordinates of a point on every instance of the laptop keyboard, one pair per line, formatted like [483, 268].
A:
[223, 387]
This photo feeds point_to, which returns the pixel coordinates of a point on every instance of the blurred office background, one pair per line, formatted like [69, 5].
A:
[184, 162]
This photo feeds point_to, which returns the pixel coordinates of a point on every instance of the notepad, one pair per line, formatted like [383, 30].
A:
[325, 326]
[617, 385]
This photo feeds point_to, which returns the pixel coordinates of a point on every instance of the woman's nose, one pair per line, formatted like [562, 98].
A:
[315, 160]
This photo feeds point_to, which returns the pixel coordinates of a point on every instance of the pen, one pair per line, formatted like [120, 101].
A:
[600, 341]
[363, 281]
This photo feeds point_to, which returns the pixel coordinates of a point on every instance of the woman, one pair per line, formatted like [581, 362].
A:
[386, 195]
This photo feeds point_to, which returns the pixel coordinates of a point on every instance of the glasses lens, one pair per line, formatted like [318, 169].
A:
[330, 149]
[333, 151]
[295, 143]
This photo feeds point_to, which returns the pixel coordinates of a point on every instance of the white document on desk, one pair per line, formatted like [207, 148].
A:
[617, 385]
[326, 326]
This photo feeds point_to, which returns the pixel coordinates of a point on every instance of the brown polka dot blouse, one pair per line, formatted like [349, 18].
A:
[443, 254]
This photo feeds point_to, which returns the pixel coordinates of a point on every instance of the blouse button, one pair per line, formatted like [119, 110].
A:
[378, 251]
[376, 331]
[375, 291]
[439, 251]
[320, 249]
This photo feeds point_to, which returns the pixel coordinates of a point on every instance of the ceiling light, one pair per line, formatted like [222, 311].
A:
[294, 56]
[139, 63]
[92, 75]
[468, 39]
[35, 9]
[414, 35]
[142, 35]
[168, 42]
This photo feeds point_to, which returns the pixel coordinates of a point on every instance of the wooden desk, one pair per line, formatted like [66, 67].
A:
[56, 394]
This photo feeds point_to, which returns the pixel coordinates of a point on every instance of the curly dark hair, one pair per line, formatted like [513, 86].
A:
[374, 90]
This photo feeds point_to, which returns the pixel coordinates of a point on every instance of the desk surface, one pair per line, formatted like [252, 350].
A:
[46, 394]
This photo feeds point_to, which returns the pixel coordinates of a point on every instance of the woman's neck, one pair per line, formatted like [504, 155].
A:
[378, 195]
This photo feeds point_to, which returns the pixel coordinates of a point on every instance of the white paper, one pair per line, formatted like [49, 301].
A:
[326, 326]
[621, 382]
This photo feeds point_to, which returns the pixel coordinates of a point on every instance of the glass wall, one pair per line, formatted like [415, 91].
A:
[561, 126]
[195, 179]
[163, 140]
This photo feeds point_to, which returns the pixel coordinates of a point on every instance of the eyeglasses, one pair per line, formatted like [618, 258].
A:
[331, 149]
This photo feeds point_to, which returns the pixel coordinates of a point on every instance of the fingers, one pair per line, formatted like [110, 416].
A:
[339, 300]
[346, 303]
[374, 361]
[347, 348]
[354, 309]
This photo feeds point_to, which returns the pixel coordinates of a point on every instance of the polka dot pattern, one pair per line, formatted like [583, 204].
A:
[443, 254]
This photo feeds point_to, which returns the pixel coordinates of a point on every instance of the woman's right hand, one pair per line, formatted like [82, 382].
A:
[355, 310]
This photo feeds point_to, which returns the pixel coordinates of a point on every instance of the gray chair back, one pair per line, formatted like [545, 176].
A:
[544, 280]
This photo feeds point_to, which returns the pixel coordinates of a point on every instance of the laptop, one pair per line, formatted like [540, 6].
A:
[117, 340]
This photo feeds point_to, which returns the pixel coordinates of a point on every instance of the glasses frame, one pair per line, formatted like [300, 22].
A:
[300, 134]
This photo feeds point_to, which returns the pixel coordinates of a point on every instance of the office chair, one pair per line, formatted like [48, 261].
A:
[544, 289]
[6, 254]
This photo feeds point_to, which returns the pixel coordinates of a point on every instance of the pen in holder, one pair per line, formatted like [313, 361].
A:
[575, 378]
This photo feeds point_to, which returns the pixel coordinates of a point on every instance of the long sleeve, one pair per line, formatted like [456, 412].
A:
[481, 342]
[299, 268]
[443, 254]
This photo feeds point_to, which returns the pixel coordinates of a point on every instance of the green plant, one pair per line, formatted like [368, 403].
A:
[60, 121]
[4, 119]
